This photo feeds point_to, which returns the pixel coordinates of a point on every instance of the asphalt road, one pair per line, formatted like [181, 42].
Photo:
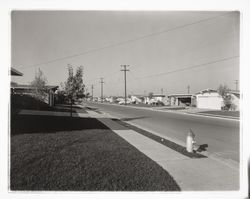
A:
[221, 135]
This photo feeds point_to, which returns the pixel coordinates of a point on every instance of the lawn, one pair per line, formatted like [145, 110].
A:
[29, 102]
[19, 101]
[79, 154]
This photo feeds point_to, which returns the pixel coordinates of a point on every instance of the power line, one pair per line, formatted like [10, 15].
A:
[125, 42]
[105, 76]
[190, 67]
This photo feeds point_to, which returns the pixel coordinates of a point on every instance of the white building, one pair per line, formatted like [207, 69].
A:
[156, 98]
[137, 99]
[209, 99]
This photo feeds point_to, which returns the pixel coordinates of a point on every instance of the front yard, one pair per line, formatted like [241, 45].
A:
[78, 154]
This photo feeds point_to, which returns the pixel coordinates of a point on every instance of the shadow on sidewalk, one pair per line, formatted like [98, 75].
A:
[133, 118]
[48, 124]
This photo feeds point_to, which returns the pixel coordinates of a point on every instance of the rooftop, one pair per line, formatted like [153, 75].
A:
[180, 95]
[15, 72]
[25, 86]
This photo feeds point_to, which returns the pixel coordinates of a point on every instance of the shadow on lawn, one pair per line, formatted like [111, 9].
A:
[48, 124]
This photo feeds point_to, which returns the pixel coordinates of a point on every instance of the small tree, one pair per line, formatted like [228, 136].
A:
[39, 83]
[223, 90]
[150, 95]
[74, 87]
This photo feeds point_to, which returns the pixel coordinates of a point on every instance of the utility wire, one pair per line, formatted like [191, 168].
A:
[125, 42]
[168, 72]
[188, 68]
[105, 76]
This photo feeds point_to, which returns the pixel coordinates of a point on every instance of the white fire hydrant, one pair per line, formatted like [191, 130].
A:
[190, 141]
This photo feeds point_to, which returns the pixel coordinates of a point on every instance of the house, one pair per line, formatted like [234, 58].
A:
[136, 99]
[29, 90]
[180, 99]
[110, 99]
[209, 99]
[158, 97]
[15, 72]
[154, 99]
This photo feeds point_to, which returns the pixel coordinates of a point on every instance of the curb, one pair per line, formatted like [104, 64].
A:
[213, 115]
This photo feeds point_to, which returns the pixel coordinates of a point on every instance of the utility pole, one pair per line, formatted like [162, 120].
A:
[102, 82]
[125, 71]
[162, 91]
[188, 87]
[92, 88]
[236, 85]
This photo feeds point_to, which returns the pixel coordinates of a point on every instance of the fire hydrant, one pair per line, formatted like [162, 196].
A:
[190, 141]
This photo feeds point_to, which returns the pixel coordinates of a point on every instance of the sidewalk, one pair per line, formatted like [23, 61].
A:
[191, 174]
[88, 114]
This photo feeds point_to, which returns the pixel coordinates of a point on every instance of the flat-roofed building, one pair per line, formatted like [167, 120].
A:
[209, 99]
[180, 99]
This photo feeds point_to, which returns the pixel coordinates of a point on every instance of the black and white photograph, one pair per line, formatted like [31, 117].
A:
[125, 101]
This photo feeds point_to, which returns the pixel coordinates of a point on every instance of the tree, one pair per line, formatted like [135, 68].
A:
[39, 83]
[74, 87]
[150, 95]
[223, 90]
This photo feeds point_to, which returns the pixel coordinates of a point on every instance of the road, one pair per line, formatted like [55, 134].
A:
[221, 135]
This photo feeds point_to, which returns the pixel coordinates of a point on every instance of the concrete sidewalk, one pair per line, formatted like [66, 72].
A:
[201, 174]
[89, 113]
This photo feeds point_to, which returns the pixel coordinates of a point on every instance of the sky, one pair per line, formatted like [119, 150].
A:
[165, 50]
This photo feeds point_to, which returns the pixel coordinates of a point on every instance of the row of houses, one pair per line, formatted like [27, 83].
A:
[205, 99]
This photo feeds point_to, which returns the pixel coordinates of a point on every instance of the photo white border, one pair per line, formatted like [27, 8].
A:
[6, 6]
